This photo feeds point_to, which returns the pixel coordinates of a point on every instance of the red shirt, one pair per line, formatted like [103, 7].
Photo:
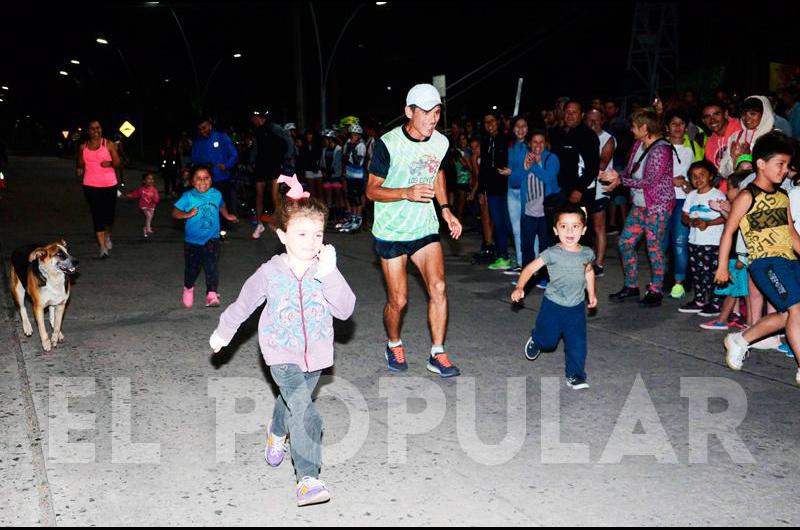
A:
[716, 146]
[148, 197]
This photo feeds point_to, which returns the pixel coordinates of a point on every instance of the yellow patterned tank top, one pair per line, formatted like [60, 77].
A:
[765, 227]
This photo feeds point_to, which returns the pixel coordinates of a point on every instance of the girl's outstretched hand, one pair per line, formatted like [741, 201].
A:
[216, 342]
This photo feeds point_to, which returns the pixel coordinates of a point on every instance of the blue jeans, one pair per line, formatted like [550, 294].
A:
[533, 228]
[676, 237]
[296, 415]
[553, 322]
[515, 215]
[498, 210]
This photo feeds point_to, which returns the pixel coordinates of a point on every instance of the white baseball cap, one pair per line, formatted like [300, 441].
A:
[424, 96]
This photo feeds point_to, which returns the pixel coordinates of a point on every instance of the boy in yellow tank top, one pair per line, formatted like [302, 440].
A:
[761, 211]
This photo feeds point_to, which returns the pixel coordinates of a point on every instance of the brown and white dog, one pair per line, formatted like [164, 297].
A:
[43, 273]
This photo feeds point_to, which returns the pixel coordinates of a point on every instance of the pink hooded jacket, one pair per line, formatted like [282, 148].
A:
[296, 326]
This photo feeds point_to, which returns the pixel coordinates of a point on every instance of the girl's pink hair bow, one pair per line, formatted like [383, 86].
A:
[295, 188]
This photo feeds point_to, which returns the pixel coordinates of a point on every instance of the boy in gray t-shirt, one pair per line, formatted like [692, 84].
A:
[563, 311]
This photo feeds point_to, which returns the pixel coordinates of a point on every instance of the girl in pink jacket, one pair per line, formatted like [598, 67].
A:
[304, 292]
[148, 198]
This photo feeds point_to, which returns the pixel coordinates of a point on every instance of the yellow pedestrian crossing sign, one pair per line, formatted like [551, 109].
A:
[127, 129]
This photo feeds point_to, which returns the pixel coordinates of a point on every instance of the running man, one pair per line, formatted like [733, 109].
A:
[405, 175]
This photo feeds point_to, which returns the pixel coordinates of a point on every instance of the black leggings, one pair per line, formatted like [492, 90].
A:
[205, 257]
[103, 205]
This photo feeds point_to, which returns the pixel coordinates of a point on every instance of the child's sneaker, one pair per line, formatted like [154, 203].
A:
[695, 306]
[715, 325]
[501, 264]
[212, 299]
[677, 291]
[258, 231]
[737, 321]
[396, 358]
[709, 310]
[736, 348]
[440, 364]
[275, 449]
[577, 383]
[786, 350]
[312, 491]
[770, 343]
[188, 297]
[532, 351]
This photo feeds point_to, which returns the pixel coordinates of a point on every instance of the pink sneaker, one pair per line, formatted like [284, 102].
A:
[188, 297]
[212, 299]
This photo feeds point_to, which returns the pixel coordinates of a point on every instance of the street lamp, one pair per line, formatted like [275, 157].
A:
[75, 61]
[324, 72]
[4, 88]
[236, 55]
[101, 40]
[63, 72]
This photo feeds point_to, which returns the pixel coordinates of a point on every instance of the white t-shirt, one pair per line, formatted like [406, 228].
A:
[599, 186]
[696, 207]
[794, 206]
[682, 158]
[637, 194]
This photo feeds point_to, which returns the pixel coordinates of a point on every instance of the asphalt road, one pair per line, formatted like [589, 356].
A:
[131, 422]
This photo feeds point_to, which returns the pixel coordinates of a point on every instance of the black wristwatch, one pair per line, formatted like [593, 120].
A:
[445, 205]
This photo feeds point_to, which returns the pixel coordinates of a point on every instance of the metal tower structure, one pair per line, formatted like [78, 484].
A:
[653, 53]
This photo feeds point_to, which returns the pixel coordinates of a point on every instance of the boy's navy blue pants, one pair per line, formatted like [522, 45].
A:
[555, 321]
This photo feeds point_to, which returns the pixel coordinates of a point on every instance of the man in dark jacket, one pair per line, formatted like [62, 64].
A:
[578, 150]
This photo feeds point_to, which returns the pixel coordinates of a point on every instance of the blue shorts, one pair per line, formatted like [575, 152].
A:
[779, 280]
[738, 287]
[395, 249]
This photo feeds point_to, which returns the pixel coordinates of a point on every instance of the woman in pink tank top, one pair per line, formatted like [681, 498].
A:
[97, 160]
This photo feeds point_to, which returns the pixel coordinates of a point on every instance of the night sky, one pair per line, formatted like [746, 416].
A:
[575, 49]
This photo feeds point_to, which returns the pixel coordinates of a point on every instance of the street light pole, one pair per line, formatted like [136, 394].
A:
[188, 52]
[324, 73]
[202, 96]
[139, 105]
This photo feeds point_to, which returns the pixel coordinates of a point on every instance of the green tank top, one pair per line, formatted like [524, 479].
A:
[410, 163]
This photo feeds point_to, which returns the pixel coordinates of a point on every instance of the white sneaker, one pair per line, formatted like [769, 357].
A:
[736, 348]
[258, 231]
[312, 491]
[797, 377]
[109, 246]
[770, 343]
